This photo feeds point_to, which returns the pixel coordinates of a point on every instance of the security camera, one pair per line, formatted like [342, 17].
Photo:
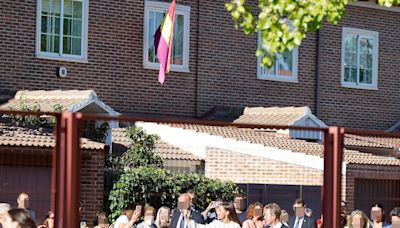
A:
[62, 72]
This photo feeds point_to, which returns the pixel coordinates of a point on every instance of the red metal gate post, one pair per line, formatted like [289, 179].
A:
[333, 152]
[66, 171]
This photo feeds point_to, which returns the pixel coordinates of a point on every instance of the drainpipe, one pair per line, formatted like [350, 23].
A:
[317, 75]
[196, 113]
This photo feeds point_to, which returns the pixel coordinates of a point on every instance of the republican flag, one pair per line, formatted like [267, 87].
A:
[163, 41]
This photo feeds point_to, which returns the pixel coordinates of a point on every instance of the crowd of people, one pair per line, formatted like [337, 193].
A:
[219, 214]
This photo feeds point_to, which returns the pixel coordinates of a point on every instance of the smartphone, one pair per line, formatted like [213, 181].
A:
[138, 208]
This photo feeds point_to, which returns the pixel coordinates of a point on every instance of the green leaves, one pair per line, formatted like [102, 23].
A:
[160, 187]
[272, 17]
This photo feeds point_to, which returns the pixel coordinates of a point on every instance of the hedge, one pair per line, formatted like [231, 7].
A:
[161, 187]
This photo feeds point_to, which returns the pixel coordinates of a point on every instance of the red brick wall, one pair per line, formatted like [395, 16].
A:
[242, 168]
[92, 175]
[349, 107]
[223, 69]
[368, 172]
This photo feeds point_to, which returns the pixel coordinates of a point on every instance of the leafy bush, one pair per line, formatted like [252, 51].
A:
[160, 187]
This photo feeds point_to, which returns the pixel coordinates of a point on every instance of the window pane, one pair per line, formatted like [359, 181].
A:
[44, 23]
[350, 44]
[68, 9]
[77, 8]
[366, 46]
[77, 28]
[177, 49]
[284, 64]
[76, 46]
[350, 74]
[44, 41]
[67, 49]
[155, 19]
[67, 27]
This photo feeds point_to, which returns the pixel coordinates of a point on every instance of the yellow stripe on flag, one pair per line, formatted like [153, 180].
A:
[167, 29]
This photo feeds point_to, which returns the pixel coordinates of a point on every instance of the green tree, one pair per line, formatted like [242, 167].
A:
[140, 152]
[283, 24]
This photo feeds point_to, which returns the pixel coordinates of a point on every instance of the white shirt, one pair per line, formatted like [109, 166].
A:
[214, 224]
[278, 225]
[123, 219]
[300, 222]
[180, 220]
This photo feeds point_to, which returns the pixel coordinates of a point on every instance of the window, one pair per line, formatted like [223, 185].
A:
[359, 58]
[283, 69]
[61, 29]
[153, 15]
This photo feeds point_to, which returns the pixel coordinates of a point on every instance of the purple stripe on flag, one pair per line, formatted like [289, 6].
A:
[162, 54]
[157, 37]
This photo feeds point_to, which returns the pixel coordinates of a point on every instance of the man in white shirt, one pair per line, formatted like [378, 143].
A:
[272, 214]
[129, 217]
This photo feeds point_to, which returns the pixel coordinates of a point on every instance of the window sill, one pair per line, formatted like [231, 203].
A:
[267, 78]
[364, 87]
[173, 68]
[62, 58]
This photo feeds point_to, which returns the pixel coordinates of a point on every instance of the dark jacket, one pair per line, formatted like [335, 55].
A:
[283, 226]
[307, 222]
[196, 216]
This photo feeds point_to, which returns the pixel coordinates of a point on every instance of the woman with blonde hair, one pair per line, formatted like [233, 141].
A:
[163, 217]
[358, 219]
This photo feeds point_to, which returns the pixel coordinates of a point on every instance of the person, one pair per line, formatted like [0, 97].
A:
[378, 216]
[4, 207]
[48, 221]
[23, 202]
[300, 220]
[308, 212]
[320, 222]
[343, 213]
[18, 218]
[163, 217]
[210, 213]
[101, 220]
[254, 216]
[284, 218]
[239, 203]
[358, 219]
[395, 217]
[193, 200]
[272, 215]
[178, 219]
[129, 217]
[149, 214]
[227, 218]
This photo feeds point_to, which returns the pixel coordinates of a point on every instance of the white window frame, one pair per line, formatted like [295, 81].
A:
[59, 56]
[276, 77]
[363, 33]
[163, 7]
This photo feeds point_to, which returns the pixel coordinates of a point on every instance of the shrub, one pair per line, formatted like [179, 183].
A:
[160, 187]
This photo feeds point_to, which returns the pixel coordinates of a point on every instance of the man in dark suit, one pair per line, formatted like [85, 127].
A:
[178, 220]
[301, 220]
[272, 214]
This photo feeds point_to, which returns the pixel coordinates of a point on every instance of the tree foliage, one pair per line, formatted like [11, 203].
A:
[283, 24]
[160, 187]
[140, 152]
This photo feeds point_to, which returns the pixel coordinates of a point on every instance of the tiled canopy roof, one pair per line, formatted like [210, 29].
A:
[69, 100]
[36, 137]
[272, 139]
[162, 148]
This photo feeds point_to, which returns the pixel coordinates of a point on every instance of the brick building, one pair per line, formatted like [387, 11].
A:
[25, 166]
[106, 46]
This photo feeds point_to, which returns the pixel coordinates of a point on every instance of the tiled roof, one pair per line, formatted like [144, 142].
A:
[36, 137]
[377, 142]
[280, 141]
[258, 115]
[46, 100]
[271, 116]
[162, 148]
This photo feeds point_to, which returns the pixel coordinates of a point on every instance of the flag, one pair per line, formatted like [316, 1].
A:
[163, 41]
